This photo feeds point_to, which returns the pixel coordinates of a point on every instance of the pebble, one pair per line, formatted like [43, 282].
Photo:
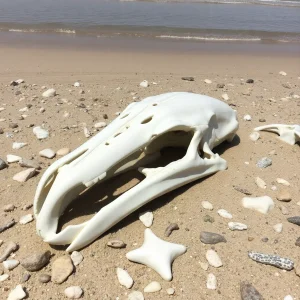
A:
[237, 226]
[17, 146]
[3, 164]
[170, 291]
[26, 219]
[211, 282]
[36, 262]
[204, 265]
[260, 183]
[8, 208]
[77, 84]
[188, 78]
[273, 260]
[207, 205]
[211, 238]
[171, 228]
[136, 295]
[47, 153]
[261, 204]
[40, 133]
[242, 190]
[8, 225]
[225, 97]
[294, 220]
[249, 81]
[10, 264]
[13, 125]
[44, 278]
[247, 118]
[25, 175]
[254, 136]
[283, 181]
[73, 292]
[288, 297]
[208, 218]
[49, 93]
[144, 83]
[152, 287]
[100, 125]
[213, 258]
[29, 163]
[146, 218]
[224, 213]
[25, 277]
[17, 293]
[86, 132]
[117, 244]
[249, 292]
[264, 162]
[282, 73]
[62, 268]
[284, 210]
[124, 278]
[220, 85]
[4, 277]
[297, 243]
[10, 248]
[297, 270]
[208, 81]
[284, 196]
[278, 227]
[63, 151]
[12, 158]
[76, 257]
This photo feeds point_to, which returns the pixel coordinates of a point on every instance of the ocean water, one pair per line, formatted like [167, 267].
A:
[196, 20]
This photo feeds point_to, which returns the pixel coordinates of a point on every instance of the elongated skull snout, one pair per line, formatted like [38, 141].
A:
[195, 122]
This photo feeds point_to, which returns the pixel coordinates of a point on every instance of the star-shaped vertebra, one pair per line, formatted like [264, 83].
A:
[157, 254]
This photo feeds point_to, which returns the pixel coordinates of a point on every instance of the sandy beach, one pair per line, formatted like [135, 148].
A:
[109, 77]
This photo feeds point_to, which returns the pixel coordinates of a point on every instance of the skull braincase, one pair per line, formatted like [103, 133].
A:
[132, 140]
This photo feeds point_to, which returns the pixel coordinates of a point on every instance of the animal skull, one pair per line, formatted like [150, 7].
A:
[287, 133]
[132, 140]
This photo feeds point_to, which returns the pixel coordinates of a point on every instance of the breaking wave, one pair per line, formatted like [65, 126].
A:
[203, 38]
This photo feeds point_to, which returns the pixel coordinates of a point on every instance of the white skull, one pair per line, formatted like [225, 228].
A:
[136, 137]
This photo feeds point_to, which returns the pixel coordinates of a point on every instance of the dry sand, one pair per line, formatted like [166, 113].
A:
[108, 79]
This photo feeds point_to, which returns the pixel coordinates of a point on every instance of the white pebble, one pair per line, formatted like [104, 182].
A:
[10, 264]
[100, 125]
[4, 277]
[208, 81]
[207, 205]
[254, 136]
[144, 83]
[124, 278]
[63, 151]
[26, 219]
[152, 287]
[261, 204]
[136, 295]
[42, 109]
[283, 181]
[146, 218]
[86, 132]
[49, 93]
[17, 293]
[76, 257]
[77, 84]
[47, 153]
[23, 176]
[282, 73]
[170, 291]
[224, 213]
[247, 118]
[73, 292]
[10, 158]
[237, 226]
[40, 133]
[288, 297]
[260, 183]
[213, 258]
[278, 227]
[17, 145]
[225, 97]
[211, 282]
[204, 265]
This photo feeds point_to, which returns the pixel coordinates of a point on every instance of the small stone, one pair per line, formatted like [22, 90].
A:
[117, 244]
[211, 238]
[100, 125]
[284, 210]
[297, 243]
[27, 206]
[8, 225]
[288, 297]
[282, 73]
[26, 219]
[146, 218]
[144, 83]
[250, 238]
[278, 227]
[284, 196]
[208, 218]
[10, 264]
[254, 136]
[105, 116]
[213, 258]
[136, 295]
[242, 190]
[287, 85]
[77, 84]
[25, 277]
[211, 282]
[265, 239]
[44, 278]
[152, 287]
[4, 277]
[261, 204]
[283, 181]
[13, 125]
[248, 292]
[36, 262]
[10, 248]
[73, 292]
[86, 132]
[3, 164]
[225, 97]
[170, 291]
[260, 183]
[294, 220]
[18, 146]
[47, 153]
[249, 81]
[76, 257]
[297, 270]
[262, 120]
[237, 226]
[42, 109]
[224, 213]
[17, 293]
[264, 162]
[8, 208]
[207, 205]
[40, 133]
[23, 176]
[204, 265]
[12, 158]
[124, 278]
[208, 81]
[188, 78]
[63, 151]
[171, 228]
[49, 93]
[247, 118]
[29, 163]
[220, 85]
[62, 268]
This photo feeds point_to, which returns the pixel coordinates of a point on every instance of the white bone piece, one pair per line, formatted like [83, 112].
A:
[135, 138]
[287, 133]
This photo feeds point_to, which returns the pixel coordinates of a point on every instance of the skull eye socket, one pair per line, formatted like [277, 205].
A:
[147, 120]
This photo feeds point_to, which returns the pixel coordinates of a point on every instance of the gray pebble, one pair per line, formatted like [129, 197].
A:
[10, 248]
[297, 243]
[265, 239]
[170, 228]
[44, 278]
[3, 164]
[29, 163]
[117, 244]
[208, 218]
[35, 262]
[294, 220]
[242, 190]
[25, 277]
[6, 226]
[211, 238]
[264, 162]
[220, 85]
[249, 292]
[249, 81]
[188, 78]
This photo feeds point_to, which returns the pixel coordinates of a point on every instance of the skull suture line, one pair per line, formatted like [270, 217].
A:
[132, 140]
